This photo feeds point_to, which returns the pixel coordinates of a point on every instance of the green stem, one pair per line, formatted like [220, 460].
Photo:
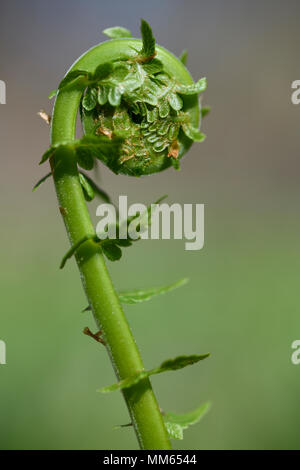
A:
[141, 402]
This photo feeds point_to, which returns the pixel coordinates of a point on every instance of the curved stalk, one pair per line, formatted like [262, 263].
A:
[109, 316]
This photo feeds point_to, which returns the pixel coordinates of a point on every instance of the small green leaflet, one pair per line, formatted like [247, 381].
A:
[152, 114]
[86, 309]
[49, 152]
[85, 158]
[176, 424]
[174, 430]
[102, 71]
[137, 296]
[53, 148]
[107, 145]
[180, 362]
[193, 133]
[175, 164]
[183, 56]
[120, 426]
[120, 70]
[111, 250]
[148, 39]
[98, 191]
[75, 247]
[114, 96]
[188, 419]
[175, 101]
[164, 126]
[103, 94]
[71, 77]
[131, 84]
[171, 364]
[98, 147]
[52, 94]
[42, 180]
[204, 111]
[117, 32]
[159, 146]
[95, 188]
[194, 89]
[87, 189]
[148, 93]
[164, 109]
[173, 131]
[153, 66]
[90, 98]
[89, 147]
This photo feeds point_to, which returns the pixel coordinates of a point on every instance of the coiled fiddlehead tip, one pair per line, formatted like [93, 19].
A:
[142, 95]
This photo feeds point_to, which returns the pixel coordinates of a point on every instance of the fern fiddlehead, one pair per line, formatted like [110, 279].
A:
[140, 114]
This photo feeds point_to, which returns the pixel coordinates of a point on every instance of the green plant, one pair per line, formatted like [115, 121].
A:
[140, 114]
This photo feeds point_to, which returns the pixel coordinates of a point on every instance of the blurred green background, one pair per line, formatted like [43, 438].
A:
[242, 303]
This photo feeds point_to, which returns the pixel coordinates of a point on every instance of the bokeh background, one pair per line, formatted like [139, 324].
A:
[242, 303]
